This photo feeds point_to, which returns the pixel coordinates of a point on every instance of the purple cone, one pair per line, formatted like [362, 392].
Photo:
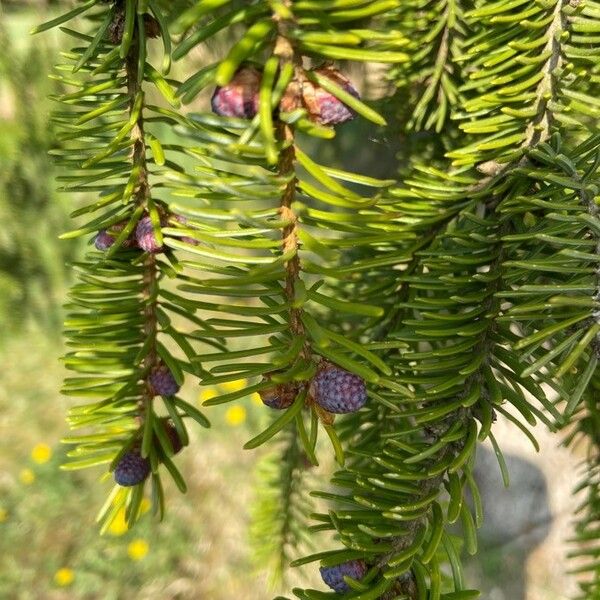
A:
[103, 240]
[239, 98]
[162, 381]
[131, 469]
[334, 576]
[144, 234]
[338, 391]
[330, 110]
[106, 237]
[333, 111]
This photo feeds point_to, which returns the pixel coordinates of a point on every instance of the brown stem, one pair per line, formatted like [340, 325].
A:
[142, 197]
[284, 49]
[290, 231]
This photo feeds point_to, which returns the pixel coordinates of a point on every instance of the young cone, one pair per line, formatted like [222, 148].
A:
[337, 390]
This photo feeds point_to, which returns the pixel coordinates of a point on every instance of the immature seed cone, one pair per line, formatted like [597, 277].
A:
[324, 107]
[334, 576]
[144, 234]
[131, 469]
[292, 97]
[281, 395]
[162, 381]
[104, 240]
[106, 237]
[337, 390]
[239, 98]
[173, 435]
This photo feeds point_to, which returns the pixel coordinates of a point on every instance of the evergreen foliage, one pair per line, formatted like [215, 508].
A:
[466, 289]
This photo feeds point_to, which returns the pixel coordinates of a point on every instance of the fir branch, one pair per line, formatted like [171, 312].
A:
[118, 329]
[142, 195]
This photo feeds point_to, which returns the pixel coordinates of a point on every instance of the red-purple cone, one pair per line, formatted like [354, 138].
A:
[239, 98]
[106, 237]
[324, 107]
[144, 234]
[103, 240]
[131, 469]
[334, 576]
[337, 390]
[162, 381]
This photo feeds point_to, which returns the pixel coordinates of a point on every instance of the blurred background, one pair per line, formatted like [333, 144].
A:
[49, 542]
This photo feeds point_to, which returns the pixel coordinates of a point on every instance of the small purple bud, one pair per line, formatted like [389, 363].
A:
[107, 237]
[162, 381]
[103, 240]
[239, 98]
[131, 469]
[332, 111]
[334, 576]
[144, 234]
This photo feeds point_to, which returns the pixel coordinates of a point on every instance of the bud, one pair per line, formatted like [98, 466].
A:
[239, 98]
[334, 576]
[162, 382]
[131, 469]
[117, 26]
[324, 107]
[106, 237]
[144, 234]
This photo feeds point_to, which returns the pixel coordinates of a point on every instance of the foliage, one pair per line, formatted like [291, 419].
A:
[466, 289]
[32, 262]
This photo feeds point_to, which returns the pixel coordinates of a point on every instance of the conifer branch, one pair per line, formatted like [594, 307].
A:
[450, 295]
[142, 197]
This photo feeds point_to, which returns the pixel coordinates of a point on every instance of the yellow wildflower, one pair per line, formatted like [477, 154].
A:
[138, 549]
[145, 506]
[64, 577]
[41, 453]
[118, 525]
[234, 386]
[235, 415]
[3, 514]
[207, 394]
[26, 476]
